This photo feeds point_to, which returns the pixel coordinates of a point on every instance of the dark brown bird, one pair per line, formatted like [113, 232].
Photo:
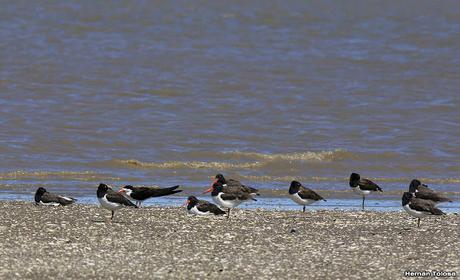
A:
[418, 207]
[139, 194]
[302, 195]
[424, 192]
[202, 207]
[229, 197]
[363, 186]
[233, 185]
[45, 198]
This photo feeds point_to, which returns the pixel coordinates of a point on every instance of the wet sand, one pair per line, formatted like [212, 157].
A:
[79, 242]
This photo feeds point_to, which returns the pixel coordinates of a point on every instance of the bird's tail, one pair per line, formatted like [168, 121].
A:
[437, 211]
[166, 191]
[219, 211]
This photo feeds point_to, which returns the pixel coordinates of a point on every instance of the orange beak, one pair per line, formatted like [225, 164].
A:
[209, 190]
[186, 203]
[212, 186]
[122, 191]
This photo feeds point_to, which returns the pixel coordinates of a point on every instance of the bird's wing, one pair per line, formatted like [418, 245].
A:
[306, 193]
[205, 206]
[229, 196]
[233, 183]
[236, 186]
[115, 197]
[427, 193]
[424, 206]
[146, 192]
[49, 198]
[368, 185]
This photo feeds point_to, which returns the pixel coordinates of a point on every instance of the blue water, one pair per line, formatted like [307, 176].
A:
[166, 93]
[268, 203]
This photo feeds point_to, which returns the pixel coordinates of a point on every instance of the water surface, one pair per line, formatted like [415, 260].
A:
[172, 92]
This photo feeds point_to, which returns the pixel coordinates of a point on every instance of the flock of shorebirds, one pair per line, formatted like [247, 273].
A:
[419, 201]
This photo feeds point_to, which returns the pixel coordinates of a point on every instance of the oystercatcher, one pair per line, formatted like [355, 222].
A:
[302, 195]
[142, 193]
[202, 207]
[45, 198]
[363, 186]
[111, 200]
[418, 207]
[228, 197]
[234, 185]
[424, 192]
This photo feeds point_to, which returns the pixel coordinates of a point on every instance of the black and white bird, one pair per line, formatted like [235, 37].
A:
[139, 194]
[42, 197]
[111, 200]
[418, 207]
[228, 197]
[424, 192]
[363, 186]
[302, 195]
[201, 207]
[234, 185]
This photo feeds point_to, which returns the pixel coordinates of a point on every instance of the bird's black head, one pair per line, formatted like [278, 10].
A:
[129, 187]
[220, 178]
[38, 194]
[295, 186]
[101, 190]
[191, 201]
[414, 184]
[407, 196]
[354, 179]
[103, 187]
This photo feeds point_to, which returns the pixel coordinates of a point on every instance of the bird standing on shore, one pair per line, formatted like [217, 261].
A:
[45, 198]
[234, 185]
[202, 207]
[228, 197]
[418, 207]
[302, 195]
[363, 186]
[139, 194]
[424, 192]
[111, 200]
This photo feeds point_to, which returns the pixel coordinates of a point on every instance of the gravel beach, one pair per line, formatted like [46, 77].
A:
[80, 242]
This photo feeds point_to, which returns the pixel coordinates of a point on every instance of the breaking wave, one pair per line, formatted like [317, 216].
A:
[241, 160]
[81, 176]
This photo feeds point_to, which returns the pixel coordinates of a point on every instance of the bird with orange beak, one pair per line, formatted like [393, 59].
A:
[229, 197]
[231, 185]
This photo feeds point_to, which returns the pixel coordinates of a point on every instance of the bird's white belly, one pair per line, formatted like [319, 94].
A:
[226, 203]
[360, 191]
[414, 213]
[109, 205]
[297, 199]
[194, 210]
[49, 203]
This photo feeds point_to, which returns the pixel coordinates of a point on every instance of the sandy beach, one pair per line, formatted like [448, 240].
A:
[79, 242]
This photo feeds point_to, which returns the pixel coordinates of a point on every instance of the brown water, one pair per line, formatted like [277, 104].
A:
[172, 92]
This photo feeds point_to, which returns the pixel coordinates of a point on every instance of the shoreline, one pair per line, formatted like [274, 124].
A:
[267, 204]
[284, 203]
[164, 242]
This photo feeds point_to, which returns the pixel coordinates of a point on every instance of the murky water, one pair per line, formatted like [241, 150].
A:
[171, 92]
